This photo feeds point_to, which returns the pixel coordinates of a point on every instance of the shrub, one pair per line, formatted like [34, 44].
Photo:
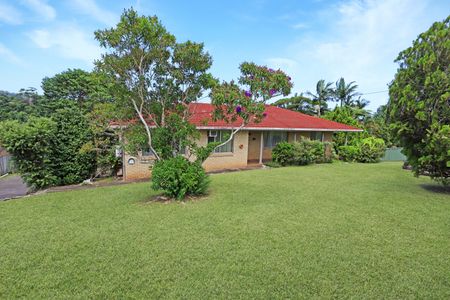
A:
[178, 177]
[303, 152]
[284, 153]
[272, 164]
[371, 150]
[348, 153]
[367, 150]
[47, 150]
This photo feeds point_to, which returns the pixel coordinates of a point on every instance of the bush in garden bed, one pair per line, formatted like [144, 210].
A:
[303, 152]
[368, 150]
[178, 178]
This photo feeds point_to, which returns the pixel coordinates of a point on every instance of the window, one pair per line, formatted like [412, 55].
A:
[272, 138]
[221, 136]
[316, 136]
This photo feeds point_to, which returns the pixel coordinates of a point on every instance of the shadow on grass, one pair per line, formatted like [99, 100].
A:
[436, 188]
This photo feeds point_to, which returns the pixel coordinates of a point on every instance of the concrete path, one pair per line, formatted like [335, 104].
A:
[12, 186]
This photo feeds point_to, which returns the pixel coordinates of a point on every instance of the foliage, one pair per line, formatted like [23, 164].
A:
[85, 88]
[18, 106]
[324, 93]
[419, 104]
[344, 93]
[303, 152]
[155, 79]
[47, 149]
[378, 126]
[272, 164]
[246, 101]
[284, 153]
[104, 141]
[345, 115]
[367, 150]
[178, 177]
[31, 144]
[298, 103]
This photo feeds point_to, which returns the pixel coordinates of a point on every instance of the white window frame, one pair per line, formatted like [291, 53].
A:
[217, 136]
[268, 137]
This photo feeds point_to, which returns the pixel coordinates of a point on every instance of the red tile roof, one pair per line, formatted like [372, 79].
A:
[276, 119]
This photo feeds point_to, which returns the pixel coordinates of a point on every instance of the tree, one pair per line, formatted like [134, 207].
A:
[298, 103]
[85, 88]
[245, 102]
[12, 107]
[155, 79]
[378, 126]
[419, 102]
[323, 94]
[46, 150]
[344, 115]
[344, 93]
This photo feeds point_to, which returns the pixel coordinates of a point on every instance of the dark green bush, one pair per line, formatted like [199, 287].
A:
[303, 152]
[178, 177]
[371, 150]
[284, 153]
[348, 153]
[47, 150]
[368, 150]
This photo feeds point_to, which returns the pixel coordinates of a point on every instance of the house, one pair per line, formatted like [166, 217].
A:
[252, 145]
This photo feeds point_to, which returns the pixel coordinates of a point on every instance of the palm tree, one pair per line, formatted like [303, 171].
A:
[345, 92]
[298, 103]
[322, 96]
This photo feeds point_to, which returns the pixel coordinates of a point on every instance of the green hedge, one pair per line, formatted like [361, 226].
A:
[368, 150]
[304, 152]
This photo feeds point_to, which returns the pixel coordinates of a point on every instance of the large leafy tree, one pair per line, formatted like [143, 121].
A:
[322, 95]
[419, 104]
[85, 88]
[155, 79]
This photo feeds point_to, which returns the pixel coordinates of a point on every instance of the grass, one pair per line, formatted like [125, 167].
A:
[322, 231]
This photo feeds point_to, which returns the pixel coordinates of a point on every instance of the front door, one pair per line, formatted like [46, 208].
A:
[254, 145]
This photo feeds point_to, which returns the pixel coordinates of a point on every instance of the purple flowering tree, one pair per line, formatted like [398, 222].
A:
[244, 102]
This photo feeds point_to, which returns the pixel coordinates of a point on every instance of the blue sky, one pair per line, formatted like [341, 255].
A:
[310, 40]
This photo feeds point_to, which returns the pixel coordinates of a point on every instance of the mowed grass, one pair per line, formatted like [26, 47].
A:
[323, 231]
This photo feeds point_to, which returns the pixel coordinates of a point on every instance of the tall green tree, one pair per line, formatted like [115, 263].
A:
[298, 103]
[345, 93]
[322, 95]
[419, 102]
[82, 87]
[155, 78]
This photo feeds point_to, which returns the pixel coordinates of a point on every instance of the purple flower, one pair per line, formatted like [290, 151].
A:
[238, 109]
[271, 70]
[289, 78]
[272, 92]
[264, 114]
[248, 94]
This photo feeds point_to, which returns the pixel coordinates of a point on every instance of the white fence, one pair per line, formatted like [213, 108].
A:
[5, 164]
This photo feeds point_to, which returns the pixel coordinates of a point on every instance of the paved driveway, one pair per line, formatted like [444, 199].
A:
[12, 186]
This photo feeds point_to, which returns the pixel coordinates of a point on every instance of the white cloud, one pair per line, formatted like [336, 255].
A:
[9, 15]
[44, 10]
[90, 7]
[8, 55]
[300, 26]
[283, 63]
[360, 42]
[68, 41]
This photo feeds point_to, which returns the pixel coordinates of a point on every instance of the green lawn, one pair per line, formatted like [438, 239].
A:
[333, 230]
